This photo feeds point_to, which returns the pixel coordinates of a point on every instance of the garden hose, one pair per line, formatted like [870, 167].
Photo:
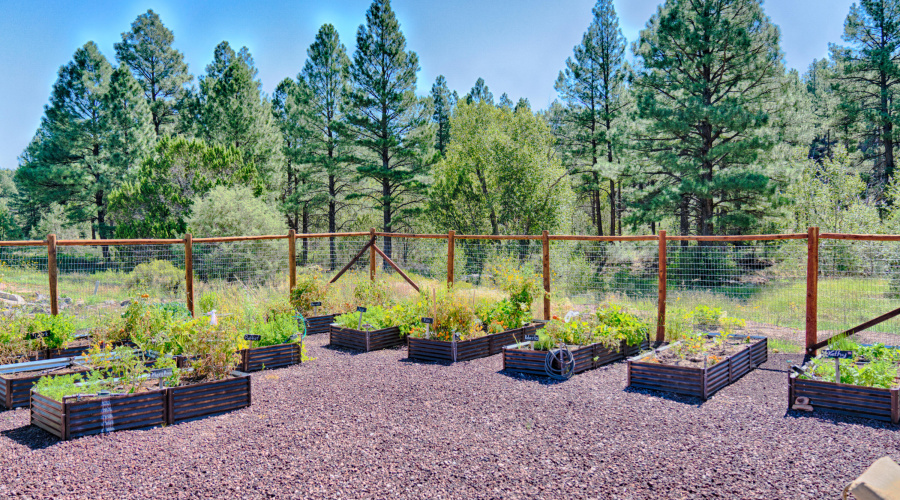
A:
[301, 323]
[560, 363]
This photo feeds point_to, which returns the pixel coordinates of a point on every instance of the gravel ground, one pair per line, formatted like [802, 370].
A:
[378, 426]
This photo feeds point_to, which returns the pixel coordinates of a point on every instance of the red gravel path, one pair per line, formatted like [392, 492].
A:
[376, 426]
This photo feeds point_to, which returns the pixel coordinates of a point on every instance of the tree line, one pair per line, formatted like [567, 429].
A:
[705, 132]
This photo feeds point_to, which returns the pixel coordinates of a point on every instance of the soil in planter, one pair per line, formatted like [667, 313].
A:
[42, 373]
[715, 352]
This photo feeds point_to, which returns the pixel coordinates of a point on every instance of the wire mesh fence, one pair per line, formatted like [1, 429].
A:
[761, 282]
[98, 274]
[23, 271]
[859, 281]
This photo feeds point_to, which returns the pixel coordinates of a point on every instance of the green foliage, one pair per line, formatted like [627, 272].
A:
[277, 329]
[160, 202]
[377, 317]
[607, 325]
[443, 102]
[499, 175]
[707, 74]
[60, 386]
[235, 212]
[156, 276]
[159, 68]
[60, 327]
[310, 287]
[386, 117]
[120, 363]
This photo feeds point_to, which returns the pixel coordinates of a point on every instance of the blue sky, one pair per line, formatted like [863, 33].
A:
[517, 46]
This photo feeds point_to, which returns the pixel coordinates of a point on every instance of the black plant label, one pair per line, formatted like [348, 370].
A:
[251, 337]
[161, 373]
[40, 335]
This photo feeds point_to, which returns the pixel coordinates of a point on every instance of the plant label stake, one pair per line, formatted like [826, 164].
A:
[315, 306]
[161, 374]
[838, 356]
[251, 337]
[40, 335]
[531, 339]
[361, 310]
[453, 346]
[428, 322]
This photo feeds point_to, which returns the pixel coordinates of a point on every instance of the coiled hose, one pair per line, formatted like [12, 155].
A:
[560, 363]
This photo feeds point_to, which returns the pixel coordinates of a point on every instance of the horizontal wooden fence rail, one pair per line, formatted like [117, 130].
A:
[812, 237]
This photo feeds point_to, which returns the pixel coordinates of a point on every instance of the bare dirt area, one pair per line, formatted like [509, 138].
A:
[378, 426]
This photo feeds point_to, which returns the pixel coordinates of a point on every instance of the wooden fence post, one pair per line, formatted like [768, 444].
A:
[661, 307]
[545, 239]
[53, 274]
[451, 254]
[372, 256]
[812, 289]
[292, 258]
[189, 271]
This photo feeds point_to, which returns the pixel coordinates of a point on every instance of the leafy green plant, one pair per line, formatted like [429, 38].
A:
[310, 287]
[61, 386]
[280, 328]
[60, 327]
[376, 316]
[120, 363]
[157, 276]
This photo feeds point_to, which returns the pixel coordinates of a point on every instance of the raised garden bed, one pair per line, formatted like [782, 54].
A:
[319, 324]
[464, 350]
[533, 362]
[273, 356]
[191, 402]
[16, 380]
[365, 340]
[700, 382]
[845, 399]
[74, 418]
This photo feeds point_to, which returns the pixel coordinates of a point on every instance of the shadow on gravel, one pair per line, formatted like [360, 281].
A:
[531, 378]
[836, 418]
[677, 398]
[31, 436]
[354, 352]
[417, 361]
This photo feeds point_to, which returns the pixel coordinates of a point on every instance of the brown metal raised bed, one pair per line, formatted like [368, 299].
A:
[73, 418]
[365, 340]
[699, 382]
[464, 350]
[586, 357]
[15, 392]
[845, 399]
[319, 324]
[273, 356]
[191, 402]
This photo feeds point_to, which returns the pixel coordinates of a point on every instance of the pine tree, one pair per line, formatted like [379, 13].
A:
[710, 69]
[159, 68]
[591, 87]
[326, 74]
[128, 123]
[505, 101]
[68, 160]
[868, 76]
[231, 111]
[444, 101]
[303, 190]
[480, 93]
[385, 114]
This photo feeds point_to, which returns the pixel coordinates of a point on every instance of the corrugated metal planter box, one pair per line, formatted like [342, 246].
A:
[699, 382]
[319, 324]
[845, 399]
[464, 350]
[586, 357]
[366, 341]
[71, 418]
[273, 356]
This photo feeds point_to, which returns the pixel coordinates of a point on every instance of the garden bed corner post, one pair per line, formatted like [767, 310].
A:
[812, 289]
[189, 271]
[451, 254]
[372, 256]
[545, 240]
[661, 306]
[53, 274]
[292, 259]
